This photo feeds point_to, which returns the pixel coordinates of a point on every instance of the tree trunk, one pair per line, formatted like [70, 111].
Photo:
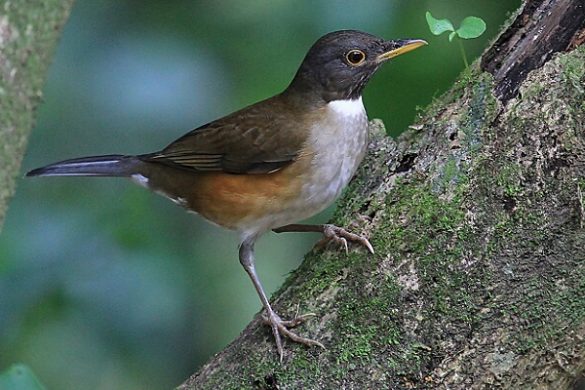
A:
[29, 31]
[477, 216]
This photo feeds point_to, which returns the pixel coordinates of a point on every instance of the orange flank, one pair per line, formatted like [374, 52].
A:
[229, 200]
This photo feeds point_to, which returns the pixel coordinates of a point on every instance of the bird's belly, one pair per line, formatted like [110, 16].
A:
[252, 204]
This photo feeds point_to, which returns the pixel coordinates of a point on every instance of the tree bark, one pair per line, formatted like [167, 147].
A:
[477, 216]
[29, 31]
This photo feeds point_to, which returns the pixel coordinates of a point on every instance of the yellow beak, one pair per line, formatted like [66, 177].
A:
[401, 47]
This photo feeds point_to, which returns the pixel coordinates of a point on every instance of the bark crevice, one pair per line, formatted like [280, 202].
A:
[542, 28]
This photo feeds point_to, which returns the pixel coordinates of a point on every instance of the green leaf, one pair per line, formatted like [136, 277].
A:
[452, 35]
[471, 27]
[19, 377]
[438, 26]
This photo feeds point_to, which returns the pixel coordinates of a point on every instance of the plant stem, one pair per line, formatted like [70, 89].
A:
[463, 53]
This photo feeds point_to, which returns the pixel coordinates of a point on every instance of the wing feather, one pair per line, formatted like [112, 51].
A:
[258, 139]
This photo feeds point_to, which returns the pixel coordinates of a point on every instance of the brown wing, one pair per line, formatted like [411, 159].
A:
[261, 138]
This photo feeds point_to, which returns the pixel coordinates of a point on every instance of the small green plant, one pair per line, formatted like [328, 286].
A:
[471, 27]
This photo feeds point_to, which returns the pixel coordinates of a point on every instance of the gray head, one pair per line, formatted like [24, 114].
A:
[339, 65]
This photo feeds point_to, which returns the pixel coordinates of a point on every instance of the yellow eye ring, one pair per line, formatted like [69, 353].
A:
[355, 57]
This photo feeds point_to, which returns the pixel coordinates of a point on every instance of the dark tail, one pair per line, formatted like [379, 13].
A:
[111, 165]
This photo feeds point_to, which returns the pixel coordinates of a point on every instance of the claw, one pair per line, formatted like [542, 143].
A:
[280, 326]
[341, 236]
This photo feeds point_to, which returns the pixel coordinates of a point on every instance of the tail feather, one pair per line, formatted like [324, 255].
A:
[110, 165]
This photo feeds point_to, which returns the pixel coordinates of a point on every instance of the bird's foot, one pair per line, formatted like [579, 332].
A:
[280, 326]
[332, 233]
[341, 236]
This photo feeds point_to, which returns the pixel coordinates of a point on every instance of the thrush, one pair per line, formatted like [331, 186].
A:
[271, 164]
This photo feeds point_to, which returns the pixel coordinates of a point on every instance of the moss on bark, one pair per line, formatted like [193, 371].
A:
[29, 31]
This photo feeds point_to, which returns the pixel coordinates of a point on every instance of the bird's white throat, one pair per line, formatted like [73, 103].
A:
[348, 107]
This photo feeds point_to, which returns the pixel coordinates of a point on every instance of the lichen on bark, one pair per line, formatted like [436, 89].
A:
[29, 31]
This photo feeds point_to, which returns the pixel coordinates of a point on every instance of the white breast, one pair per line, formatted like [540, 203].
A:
[340, 143]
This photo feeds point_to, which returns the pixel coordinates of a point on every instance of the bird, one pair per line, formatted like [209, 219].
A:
[272, 164]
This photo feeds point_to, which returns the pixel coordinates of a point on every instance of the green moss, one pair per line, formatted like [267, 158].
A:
[356, 340]
[534, 250]
[420, 225]
[451, 173]
[507, 179]
[547, 311]
[573, 71]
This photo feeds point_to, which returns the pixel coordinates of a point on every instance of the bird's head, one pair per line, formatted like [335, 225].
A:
[339, 65]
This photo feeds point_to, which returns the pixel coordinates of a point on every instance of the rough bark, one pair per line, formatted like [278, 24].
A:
[29, 31]
[477, 217]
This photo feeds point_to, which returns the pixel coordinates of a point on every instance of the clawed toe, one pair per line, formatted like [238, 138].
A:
[298, 339]
[280, 326]
[340, 236]
[291, 323]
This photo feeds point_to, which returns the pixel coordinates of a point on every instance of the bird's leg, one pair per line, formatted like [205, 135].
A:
[331, 232]
[271, 318]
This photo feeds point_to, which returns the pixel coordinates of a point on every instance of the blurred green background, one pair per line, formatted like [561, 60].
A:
[106, 286]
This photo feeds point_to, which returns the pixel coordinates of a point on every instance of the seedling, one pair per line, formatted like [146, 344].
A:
[471, 27]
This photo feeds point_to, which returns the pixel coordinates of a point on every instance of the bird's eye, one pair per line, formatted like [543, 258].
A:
[355, 57]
